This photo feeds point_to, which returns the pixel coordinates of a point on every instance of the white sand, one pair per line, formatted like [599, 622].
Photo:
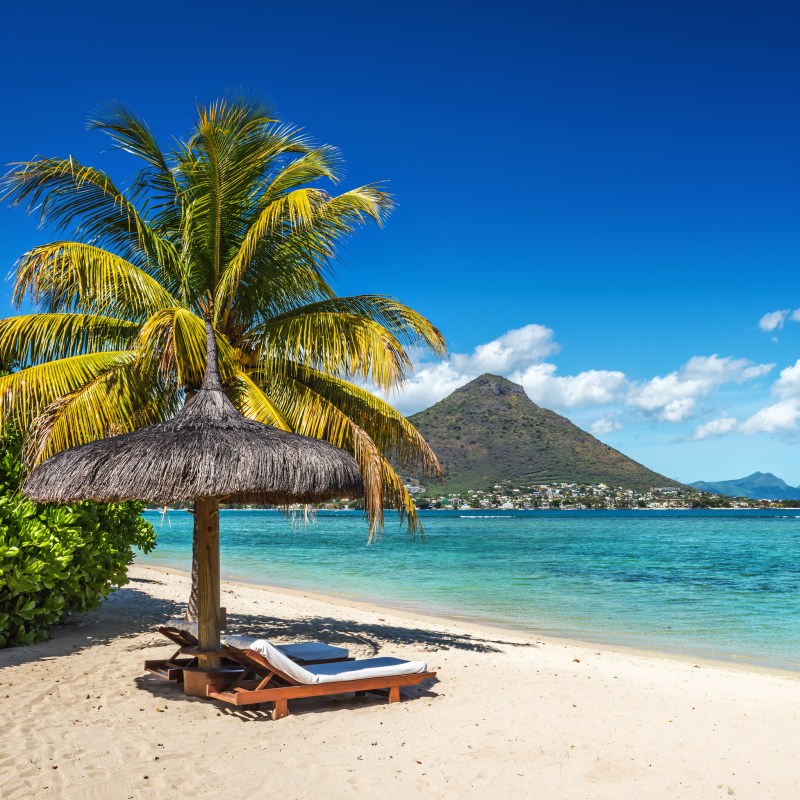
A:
[510, 716]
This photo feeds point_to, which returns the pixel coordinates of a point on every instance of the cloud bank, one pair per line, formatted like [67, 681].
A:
[780, 418]
[524, 355]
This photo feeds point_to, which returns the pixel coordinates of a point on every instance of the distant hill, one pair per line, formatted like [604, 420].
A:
[489, 431]
[758, 486]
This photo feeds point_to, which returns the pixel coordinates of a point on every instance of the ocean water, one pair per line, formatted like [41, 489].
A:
[719, 584]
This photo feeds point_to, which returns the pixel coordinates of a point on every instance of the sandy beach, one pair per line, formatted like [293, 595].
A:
[509, 716]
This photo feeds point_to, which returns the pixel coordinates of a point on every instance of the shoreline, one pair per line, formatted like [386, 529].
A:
[493, 629]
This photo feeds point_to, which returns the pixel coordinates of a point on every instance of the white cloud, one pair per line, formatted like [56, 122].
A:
[676, 397]
[780, 419]
[774, 320]
[788, 383]
[606, 424]
[430, 383]
[519, 355]
[590, 388]
[514, 350]
[716, 427]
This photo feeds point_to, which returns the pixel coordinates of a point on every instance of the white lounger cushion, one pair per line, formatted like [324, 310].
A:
[302, 651]
[365, 668]
[182, 625]
[339, 671]
[242, 642]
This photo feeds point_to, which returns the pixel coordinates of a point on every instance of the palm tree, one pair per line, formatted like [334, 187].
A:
[234, 225]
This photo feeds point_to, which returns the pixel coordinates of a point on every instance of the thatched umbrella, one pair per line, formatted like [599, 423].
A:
[207, 453]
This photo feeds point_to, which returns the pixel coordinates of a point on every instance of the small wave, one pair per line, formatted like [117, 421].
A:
[486, 516]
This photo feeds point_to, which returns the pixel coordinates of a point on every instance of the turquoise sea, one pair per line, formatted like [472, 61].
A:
[719, 584]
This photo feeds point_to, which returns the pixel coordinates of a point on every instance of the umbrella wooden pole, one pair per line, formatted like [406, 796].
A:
[208, 623]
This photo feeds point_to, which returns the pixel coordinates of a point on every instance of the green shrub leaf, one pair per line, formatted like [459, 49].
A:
[56, 560]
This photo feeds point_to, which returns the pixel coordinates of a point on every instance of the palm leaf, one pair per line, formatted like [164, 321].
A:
[25, 394]
[30, 339]
[407, 325]
[175, 339]
[284, 215]
[392, 433]
[85, 201]
[72, 276]
[114, 402]
[253, 403]
[338, 344]
[323, 407]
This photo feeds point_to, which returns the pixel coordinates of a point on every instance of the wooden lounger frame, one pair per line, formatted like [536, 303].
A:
[172, 668]
[278, 688]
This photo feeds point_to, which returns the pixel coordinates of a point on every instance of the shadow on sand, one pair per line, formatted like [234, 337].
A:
[369, 638]
[126, 613]
[131, 612]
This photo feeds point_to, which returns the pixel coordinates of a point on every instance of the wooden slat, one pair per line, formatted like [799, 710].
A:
[241, 698]
[171, 668]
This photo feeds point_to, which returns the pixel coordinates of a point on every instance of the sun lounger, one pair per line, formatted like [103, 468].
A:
[184, 635]
[283, 679]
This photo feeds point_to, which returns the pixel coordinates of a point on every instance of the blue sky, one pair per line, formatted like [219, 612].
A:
[600, 200]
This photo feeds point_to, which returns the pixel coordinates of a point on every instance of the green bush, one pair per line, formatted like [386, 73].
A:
[55, 560]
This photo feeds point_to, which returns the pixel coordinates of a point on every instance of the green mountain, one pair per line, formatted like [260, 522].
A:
[490, 431]
[758, 486]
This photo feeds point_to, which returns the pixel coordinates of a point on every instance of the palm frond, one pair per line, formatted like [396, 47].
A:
[279, 280]
[157, 184]
[85, 201]
[25, 394]
[253, 403]
[407, 325]
[358, 206]
[284, 215]
[335, 343]
[114, 402]
[324, 409]
[72, 276]
[30, 339]
[321, 162]
[175, 339]
[306, 225]
[392, 433]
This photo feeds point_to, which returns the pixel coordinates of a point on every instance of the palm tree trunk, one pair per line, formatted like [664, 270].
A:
[191, 609]
[208, 627]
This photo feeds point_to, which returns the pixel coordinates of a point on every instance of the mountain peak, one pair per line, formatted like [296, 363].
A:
[491, 385]
[490, 431]
[758, 486]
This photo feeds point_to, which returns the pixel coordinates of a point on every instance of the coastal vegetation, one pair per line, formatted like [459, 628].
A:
[56, 560]
[582, 497]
